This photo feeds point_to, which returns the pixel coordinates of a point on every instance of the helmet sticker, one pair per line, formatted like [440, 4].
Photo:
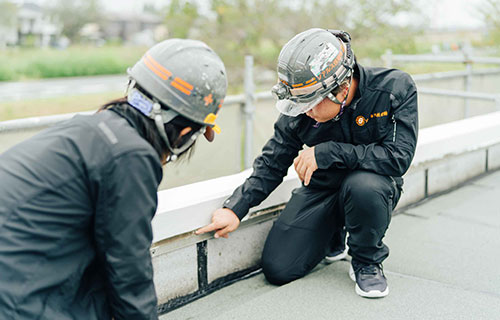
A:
[323, 59]
[208, 100]
[140, 102]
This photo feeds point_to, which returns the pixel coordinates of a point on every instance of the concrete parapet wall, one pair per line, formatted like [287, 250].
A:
[187, 266]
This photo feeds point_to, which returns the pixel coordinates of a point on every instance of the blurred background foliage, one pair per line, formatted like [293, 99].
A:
[234, 28]
[77, 60]
[490, 12]
[260, 27]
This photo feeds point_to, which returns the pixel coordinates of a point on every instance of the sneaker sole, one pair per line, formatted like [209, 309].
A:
[338, 257]
[369, 294]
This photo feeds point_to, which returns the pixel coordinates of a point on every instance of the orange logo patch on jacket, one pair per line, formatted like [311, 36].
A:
[361, 121]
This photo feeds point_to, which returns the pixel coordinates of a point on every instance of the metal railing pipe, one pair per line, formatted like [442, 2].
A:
[36, 122]
[458, 94]
[248, 110]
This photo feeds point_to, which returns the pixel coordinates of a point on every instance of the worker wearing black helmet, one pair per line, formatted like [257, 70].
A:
[359, 126]
[76, 200]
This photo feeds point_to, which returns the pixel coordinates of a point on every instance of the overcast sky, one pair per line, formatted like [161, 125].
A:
[443, 13]
[454, 13]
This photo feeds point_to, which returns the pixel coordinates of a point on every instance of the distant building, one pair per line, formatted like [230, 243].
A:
[35, 24]
[139, 28]
[30, 26]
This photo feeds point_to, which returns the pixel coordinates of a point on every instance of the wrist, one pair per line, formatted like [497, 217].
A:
[239, 208]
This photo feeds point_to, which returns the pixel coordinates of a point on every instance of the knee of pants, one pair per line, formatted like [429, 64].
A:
[280, 270]
[365, 189]
[276, 273]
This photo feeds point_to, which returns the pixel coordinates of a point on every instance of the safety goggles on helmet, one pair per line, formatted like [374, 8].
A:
[293, 107]
[153, 110]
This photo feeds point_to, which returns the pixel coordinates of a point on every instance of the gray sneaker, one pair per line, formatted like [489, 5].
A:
[337, 249]
[370, 279]
[336, 254]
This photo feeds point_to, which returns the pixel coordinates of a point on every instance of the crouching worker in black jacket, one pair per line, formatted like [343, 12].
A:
[360, 125]
[76, 201]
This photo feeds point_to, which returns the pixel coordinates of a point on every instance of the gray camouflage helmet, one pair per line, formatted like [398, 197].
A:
[185, 76]
[310, 66]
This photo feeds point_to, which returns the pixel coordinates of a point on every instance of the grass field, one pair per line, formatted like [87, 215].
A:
[22, 63]
[50, 106]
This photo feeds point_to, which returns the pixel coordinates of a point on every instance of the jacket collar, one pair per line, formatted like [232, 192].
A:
[361, 72]
[140, 126]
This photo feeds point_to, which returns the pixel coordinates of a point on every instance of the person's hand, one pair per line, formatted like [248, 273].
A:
[305, 165]
[223, 221]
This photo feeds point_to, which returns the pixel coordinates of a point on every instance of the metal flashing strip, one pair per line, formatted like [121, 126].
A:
[211, 287]
[190, 238]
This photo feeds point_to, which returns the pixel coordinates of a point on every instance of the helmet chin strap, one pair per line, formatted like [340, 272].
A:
[163, 134]
[344, 101]
[157, 114]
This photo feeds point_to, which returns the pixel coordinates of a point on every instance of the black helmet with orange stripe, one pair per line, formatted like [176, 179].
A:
[310, 66]
[179, 77]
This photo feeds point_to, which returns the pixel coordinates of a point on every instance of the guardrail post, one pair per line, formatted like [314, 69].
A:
[248, 110]
[467, 82]
[387, 57]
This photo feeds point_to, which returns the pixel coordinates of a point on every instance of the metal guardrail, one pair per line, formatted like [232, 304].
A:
[461, 94]
[454, 74]
[36, 122]
[45, 121]
[247, 100]
[465, 58]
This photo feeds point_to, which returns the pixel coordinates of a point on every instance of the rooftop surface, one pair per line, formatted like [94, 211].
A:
[444, 264]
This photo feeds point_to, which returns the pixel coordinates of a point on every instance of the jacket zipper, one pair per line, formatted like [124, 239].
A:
[394, 132]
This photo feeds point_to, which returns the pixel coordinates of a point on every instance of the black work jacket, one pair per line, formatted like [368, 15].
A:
[76, 203]
[377, 132]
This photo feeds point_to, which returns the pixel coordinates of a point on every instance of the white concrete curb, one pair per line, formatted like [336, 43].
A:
[186, 208]
[187, 265]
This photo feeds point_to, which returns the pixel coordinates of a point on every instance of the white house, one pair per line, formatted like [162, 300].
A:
[30, 25]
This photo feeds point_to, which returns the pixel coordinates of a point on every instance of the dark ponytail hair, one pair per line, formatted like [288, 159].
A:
[148, 127]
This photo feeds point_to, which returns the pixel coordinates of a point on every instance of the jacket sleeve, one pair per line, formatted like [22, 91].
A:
[123, 234]
[392, 156]
[268, 169]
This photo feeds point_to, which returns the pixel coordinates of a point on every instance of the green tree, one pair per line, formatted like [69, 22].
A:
[181, 17]
[73, 15]
[235, 28]
[489, 10]
[261, 27]
[8, 13]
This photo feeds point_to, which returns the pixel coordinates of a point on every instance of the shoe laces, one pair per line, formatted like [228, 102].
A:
[370, 269]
